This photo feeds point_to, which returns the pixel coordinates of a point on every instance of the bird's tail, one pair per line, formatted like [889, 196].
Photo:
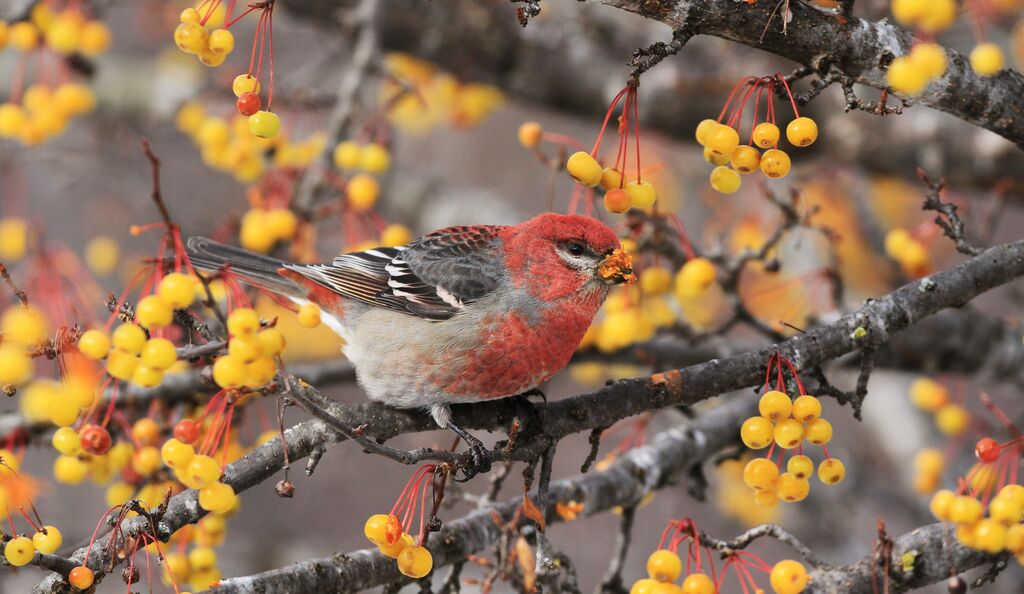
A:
[255, 269]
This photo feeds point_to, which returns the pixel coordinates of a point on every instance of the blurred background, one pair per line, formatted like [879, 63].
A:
[456, 159]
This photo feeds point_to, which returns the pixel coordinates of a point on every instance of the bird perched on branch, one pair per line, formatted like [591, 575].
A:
[460, 315]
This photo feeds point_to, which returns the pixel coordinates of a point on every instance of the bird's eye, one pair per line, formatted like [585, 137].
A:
[576, 248]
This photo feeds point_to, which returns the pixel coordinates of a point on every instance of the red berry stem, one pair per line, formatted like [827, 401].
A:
[110, 406]
[636, 130]
[211, 5]
[737, 115]
[1001, 416]
[796, 376]
[604, 125]
[736, 88]
[92, 540]
[778, 76]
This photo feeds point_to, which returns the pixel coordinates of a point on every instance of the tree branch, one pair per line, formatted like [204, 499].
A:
[880, 318]
[858, 48]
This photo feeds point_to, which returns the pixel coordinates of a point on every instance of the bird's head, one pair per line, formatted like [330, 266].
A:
[565, 253]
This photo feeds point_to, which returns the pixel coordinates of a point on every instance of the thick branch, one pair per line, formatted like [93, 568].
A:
[858, 48]
[880, 318]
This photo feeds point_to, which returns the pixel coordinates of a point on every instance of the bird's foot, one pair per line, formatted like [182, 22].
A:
[480, 457]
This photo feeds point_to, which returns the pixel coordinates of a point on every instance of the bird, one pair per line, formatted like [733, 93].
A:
[460, 315]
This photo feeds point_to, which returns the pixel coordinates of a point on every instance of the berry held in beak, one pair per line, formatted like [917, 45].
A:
[617, 268]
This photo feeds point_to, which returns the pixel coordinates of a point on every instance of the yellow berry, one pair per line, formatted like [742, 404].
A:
[362, 192]
[989, 536]
[202, 559]
[177, 290]
[929, 461]
[1014, 492]
[94, 39]
[965, 510]
[788, 577]
[761, 474]
[529, 134]
[802, 131]
[375, 158]
[703, 128]
[382, 529]
[202, 471]
[245, 83]
[725, 180]
[756, 432]
[775, 163]
[656, 280]
[309, 315]
[221, 41]
[159, 353]
[1005, 510]
[19, 551]
[12, 118]
[745, 159]
[23, 36]
[63, 35]
[806, 408]
[243, 321]
[800, 466]
[271, 341]
[260, 372]
[695, 277]
[941, 503]
[67, 441]
[715, 158]
[14, 234]
[722, 139]
[792, 489]
[939, 16]
[415, 561]
[928, 394]
[121, 364]
[775, 406]
[1015, 539]
[641, 194]
[69, 470]
[819, 432]
[611, 178]
[153, 312]
[218, 498]
[987, 59]
[102, 255]
[664, 566]
[831, 471]
[952, 419]
[229, 371]
[698, 583]
[392, 551]
[264, 124]
[146, 461]
[191, 37]
[906, 77]
[930, 58]
[584, 169]
[347, 155]
[395, 235]
[15, 365]
[23, 325]
[767, 498]
[177, 454]
[766, 135]
[47, 540]
[789, 433]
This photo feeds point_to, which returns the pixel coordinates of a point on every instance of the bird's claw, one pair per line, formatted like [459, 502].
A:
[480, 461]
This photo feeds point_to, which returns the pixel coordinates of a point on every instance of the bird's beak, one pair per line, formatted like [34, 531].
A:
[616, 268]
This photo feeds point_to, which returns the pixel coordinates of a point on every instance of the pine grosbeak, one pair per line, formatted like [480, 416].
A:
[460, 315]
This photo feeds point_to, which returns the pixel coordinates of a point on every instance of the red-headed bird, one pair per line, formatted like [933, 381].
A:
[460, 315]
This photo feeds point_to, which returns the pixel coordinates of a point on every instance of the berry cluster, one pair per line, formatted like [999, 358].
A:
[721, 138]
[786, 423]
[392, 535]
[201, 33]
[951, 418]
[1002, 529]
[584, 167]
[417, 96]
[665, 566]
[909, 252]
[250, 360]
[43, 109]
[268, 220]
[16, 494]
[927, 61]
